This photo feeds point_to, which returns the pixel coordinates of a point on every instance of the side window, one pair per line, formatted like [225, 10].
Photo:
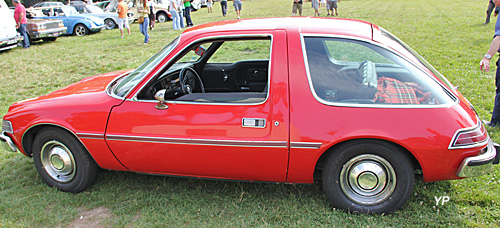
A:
[356, 72]
[241, 50]
[231, 70]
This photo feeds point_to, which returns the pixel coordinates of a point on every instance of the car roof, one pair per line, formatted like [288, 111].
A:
[304, 25]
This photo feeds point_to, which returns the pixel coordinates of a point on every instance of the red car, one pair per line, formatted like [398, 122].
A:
[289, 100]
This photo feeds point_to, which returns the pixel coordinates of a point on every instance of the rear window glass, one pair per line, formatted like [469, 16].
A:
[355, 72]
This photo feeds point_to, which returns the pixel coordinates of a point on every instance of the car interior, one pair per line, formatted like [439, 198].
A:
[347, 71]
[215, 71]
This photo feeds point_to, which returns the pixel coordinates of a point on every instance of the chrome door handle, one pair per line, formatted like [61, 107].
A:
[253, 122]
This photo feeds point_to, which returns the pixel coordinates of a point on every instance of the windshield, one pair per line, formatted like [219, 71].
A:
[130, 81]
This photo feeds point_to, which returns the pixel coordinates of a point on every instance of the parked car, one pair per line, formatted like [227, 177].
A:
[9, 37]
[110, 19]
[48, 4]
[75, 23]
[274, 100]
[44, 29]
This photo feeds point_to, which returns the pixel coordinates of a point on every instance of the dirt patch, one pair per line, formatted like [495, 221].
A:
[91, 218]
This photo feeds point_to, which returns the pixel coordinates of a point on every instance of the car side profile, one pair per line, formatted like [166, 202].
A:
[288, 100]
[75, 23]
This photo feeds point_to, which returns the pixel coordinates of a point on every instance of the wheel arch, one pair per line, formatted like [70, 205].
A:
[30, 134]
[79, 23]
[322, 159]
[164, 12]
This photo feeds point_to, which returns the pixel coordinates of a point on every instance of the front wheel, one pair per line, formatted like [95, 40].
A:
[368, 177]
[81, 30]
[62, 161]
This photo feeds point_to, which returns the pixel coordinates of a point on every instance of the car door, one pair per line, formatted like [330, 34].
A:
[217, 139]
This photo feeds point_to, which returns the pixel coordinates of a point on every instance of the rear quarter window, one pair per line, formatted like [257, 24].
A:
[345, 71]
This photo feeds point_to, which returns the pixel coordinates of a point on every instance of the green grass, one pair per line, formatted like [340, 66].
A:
[449, 34]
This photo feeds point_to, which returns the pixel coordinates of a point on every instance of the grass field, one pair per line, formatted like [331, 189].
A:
[449, 34]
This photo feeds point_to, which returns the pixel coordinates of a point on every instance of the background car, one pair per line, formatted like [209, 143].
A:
[9, 37]
[48, 4]
[110, 19]
[75, 23]
[45, 29]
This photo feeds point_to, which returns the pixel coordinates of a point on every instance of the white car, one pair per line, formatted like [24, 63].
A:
[8, 34]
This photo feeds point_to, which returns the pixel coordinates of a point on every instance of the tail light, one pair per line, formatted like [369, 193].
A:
[470, 137]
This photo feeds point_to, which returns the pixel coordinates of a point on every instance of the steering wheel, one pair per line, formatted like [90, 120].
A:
[187, 81]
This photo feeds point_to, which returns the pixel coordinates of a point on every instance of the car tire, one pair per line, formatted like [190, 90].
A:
[80, 30]
[161, 17]
[110, 23]
[368, 177]
[49, 39]
[62, 161]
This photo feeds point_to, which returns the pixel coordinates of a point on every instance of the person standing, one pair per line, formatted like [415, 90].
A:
[209, 6]
[485, 66]
[187, 13]
[223, 6]
[143, 12]
[122, 10]
[332, 6]
[315, 6]
[297, 5]
[180, 5]
[237, 6]
[20, 17]
[152, 14]
[174, 11]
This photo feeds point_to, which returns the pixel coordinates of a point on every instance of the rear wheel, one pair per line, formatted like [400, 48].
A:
[368, 177]
[81, 30]
[62, 161]
[110, 24]
[161, 17]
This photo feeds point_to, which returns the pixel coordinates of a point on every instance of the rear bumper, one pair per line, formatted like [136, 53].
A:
[7, 143]
[481, 164]
[48, 33]
[9, 42]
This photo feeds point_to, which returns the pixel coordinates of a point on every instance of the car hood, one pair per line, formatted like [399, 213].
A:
[85, 87]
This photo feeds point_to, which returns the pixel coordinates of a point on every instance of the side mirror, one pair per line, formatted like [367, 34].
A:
[160, 97]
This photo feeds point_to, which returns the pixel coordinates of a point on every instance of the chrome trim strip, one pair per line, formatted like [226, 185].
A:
[305, 145]
[90, 136]
[210, 142]
[135, 99]
[339, 104]
[478, 165]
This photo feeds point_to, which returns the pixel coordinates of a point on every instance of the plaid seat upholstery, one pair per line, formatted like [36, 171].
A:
[393, 91]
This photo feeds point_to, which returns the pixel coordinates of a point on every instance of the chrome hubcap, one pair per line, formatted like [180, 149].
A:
[80, 31]
[58, 161]
[368, 179]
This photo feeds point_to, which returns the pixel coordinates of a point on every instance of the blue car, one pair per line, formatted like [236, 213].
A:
[75, 22]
